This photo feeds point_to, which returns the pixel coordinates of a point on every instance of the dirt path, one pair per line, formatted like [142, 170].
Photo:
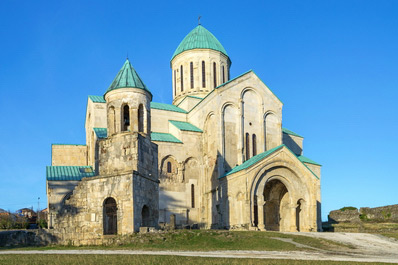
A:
[367, 248]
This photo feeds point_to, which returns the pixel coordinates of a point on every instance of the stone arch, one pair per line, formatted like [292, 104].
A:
[269, 196]
[251, 108]
[272, 130]
[165, 175]
[230, 135]
[126, 119]
[191, 169]
[66, 197]
[145, 216]
[300, 215]
[110, 216]
[141, 115]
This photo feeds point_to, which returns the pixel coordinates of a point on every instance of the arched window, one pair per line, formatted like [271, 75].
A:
[175, 80]
[229, 75]
[146, 217]
[126, 118]
[141, 118]
[215, 74]
[110, 217]
[169, 169]
[203, 74]
[247, 146]
[223, 74]
[182, 78]
[191, 69]
[193, 196]
[254, 144]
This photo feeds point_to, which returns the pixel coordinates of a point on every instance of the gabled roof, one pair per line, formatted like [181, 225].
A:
[253, 160]
[101, 132]
[97, 99]
[164, 137]
[185, 126]
[307, 160]
[199, 38]
[284, 130]
[168, 107]
[63, 173]
[127, 77]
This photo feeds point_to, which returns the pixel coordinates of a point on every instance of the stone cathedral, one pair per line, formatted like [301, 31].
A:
[216, 158]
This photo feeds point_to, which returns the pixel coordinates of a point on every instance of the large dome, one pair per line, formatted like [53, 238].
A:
[199, 38]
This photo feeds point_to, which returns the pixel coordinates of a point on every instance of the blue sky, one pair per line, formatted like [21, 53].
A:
[334, 65]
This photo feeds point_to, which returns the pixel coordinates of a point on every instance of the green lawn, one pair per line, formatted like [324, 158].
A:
[206, 240]
[143, 259]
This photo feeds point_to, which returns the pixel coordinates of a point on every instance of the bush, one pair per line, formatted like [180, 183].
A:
[348, 208]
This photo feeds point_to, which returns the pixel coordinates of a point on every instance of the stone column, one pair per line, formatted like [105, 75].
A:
[260, 213]
[293, 226]
[134, 120]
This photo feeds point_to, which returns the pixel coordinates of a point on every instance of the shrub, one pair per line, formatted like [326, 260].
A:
[348, 208]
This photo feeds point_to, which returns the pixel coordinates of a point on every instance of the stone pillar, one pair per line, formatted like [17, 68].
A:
[293, 226]
[134, 120]
[118, 120]
[260, 213]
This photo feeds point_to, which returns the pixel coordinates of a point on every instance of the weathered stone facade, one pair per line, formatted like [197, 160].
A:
[217, 157]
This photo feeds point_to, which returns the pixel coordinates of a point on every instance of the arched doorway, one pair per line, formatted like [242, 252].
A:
[145, 216]
[276, 207]
[110, 217]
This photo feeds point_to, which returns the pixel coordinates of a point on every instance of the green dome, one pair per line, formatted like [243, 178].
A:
[199, 38]
[127, 77]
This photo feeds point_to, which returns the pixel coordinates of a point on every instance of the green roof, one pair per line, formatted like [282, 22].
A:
[199, 38]
[97, 99]
[127, 77]
[101, 132]
[307, 160]
[253, 160]
[164, 137]
[291, 133]
[62, 173]
[168, 107]
[185, 126]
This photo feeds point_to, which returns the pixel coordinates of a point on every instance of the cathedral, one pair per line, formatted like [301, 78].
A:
[216, 158]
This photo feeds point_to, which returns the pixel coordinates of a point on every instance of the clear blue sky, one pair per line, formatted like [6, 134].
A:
[334, 65]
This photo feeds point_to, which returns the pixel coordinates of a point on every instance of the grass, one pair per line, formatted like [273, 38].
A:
[144, 259]
[391, 234]
[208, 240]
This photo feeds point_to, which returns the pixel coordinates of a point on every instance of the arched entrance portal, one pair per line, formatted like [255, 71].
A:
[110, 217]
[145, 216]
[276, 206]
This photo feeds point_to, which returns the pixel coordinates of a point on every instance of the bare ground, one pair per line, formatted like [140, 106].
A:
[364, 248]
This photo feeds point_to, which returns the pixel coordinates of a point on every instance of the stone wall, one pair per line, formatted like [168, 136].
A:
[380, 214]
[68, 155]
[339, 216]
[19, 238]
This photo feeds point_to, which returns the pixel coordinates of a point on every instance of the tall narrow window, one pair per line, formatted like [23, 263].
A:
[203, 74]
[223, 74]
[126, 118]
[193, 196]
[254, 145]
[247, 146]
[215, 74]
[175, 80]
[168, 167]
[182, 78]
[191, 68]
[141, 118]
[229, 76]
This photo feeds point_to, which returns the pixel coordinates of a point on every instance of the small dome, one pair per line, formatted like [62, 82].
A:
[127, 77]
[199, 38]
